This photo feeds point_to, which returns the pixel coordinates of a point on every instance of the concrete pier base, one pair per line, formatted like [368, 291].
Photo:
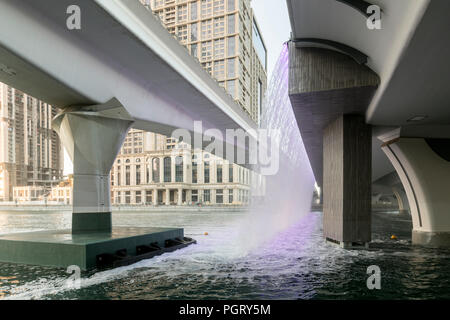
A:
[91, 222]
[348, 245]
[431, 239]
[62, 248]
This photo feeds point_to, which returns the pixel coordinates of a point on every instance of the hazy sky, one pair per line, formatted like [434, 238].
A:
[273, 21]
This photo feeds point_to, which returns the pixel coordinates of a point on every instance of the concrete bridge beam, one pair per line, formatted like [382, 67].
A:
[425, 175]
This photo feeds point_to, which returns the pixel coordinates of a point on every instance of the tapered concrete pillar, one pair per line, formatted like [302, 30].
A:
[92, 136]
[347, 181]
[402, 200]
[423, 166]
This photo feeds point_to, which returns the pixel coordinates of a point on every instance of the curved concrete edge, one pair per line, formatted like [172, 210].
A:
[425, 177]
[431, 239]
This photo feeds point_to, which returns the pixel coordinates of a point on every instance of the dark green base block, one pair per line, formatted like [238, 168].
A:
[61, 248]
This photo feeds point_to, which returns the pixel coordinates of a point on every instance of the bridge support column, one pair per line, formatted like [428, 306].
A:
[424, 169]
[347, 181]
[92, 136]
[402, 199]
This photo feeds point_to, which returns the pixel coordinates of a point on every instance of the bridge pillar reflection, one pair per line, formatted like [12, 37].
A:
[93, 136]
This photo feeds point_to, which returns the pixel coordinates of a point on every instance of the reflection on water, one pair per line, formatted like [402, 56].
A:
[295, 264]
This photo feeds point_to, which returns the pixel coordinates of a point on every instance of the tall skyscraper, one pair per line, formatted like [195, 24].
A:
[224, 36]
[30, 151]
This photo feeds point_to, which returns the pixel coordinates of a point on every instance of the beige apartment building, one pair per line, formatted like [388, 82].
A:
[224, 36]
[152, 169]
[30, 151]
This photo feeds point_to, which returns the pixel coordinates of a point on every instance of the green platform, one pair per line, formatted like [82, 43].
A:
[61, 248]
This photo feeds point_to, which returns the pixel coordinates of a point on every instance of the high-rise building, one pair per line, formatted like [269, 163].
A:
[152, 169]
[224, 36]
[30, 151]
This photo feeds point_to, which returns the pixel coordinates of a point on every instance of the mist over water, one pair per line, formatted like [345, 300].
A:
[285, 196]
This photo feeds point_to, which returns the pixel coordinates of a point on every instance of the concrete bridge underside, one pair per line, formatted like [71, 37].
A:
[372, 107]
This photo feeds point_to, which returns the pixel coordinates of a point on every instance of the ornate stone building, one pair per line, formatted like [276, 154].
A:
[155, 170]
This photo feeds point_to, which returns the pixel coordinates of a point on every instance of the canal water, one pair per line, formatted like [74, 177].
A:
[293, 264]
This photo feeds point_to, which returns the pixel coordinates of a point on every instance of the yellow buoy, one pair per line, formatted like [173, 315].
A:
[394, 237]
[206, 233]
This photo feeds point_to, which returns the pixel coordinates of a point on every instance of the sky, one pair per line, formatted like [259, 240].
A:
[273, 20]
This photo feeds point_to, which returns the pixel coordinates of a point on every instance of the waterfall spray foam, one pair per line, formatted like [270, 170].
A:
[285, 197]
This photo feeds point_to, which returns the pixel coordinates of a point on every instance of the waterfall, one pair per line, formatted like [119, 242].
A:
[287, 195]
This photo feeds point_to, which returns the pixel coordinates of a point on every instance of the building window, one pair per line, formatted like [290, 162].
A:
[167, 169]
[219, 7]
[118, 197]
[231, 68]
[194, 32]
[219, 196]
[231, 88]
[207, 66]
[230, 173]
[194, 197]
[155, 170]
[127, 176]
[138, 197]
[219, 174]
[206, 8]
[260, 99]
[206, 173]
[206, 195]
[148, 196]
[230, 196]
[231, 46]
[219, 69]
[206, 29]
[182, 13]
[194, 172]
[219, 27]
[127, 197]
[219, 49]
[231, 24]
[194, 50]
[182, 34]
[138, 174]
[194, 8]
[179, 169]
[206, 50]
[231, 5]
